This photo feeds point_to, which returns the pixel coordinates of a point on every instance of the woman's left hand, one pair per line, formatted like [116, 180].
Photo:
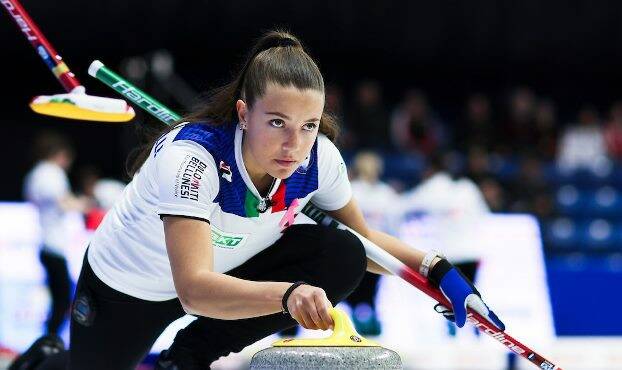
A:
[461, 293]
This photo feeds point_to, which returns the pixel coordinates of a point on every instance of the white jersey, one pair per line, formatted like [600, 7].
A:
[45, 185]
[197, 171]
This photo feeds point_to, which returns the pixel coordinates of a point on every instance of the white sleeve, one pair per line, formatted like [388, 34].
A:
[187, 179]
[334, 190]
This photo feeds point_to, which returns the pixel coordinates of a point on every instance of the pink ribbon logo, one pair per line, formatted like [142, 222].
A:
[288, 218]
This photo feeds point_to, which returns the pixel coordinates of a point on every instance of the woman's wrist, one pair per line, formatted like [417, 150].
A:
[429, 260]
[438, 272]
[272, 293]
[286, 295]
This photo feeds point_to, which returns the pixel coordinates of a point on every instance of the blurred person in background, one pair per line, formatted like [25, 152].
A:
[519, 127]
[335, 105]
[414, 127]
[583, 143]
[613, 132]
[530, 192]
[453, 208]
[545, 118]
[368, 117]
[455, 205]
[478, 165]
[47, 187]
[379, 203]
[103, 193]
[476, 127]
[493, 193]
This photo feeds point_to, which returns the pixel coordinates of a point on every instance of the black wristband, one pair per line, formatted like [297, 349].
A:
[438, 271]
[288, 292]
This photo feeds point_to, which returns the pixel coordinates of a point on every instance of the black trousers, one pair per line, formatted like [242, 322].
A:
[120, 330]
[59, 284]
[366, 291]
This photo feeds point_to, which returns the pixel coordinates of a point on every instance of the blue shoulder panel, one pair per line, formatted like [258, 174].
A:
[219, 142]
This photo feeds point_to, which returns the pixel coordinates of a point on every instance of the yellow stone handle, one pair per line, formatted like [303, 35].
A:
[344, 335]
[343, 326]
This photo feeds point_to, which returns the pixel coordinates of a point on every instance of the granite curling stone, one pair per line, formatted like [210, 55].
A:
[344, 349]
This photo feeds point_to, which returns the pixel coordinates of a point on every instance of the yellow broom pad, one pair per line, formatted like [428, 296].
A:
[83, 107]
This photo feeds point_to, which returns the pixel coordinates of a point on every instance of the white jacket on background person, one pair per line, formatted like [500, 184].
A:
[45, 187]
[379, 203]
[452, 208]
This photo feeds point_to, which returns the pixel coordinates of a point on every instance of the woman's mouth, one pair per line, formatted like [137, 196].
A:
[285, 163]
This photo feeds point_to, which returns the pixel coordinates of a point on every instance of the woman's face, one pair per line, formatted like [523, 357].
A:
[281, 128]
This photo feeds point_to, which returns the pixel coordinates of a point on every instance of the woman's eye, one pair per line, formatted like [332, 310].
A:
[277, 122]
[310, 126]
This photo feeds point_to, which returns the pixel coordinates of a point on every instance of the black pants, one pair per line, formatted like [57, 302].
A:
[124, 328]
[366, 292]
[59, 284]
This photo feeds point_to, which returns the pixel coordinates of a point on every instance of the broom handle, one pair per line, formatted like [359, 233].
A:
[98, 70]
[43, 47]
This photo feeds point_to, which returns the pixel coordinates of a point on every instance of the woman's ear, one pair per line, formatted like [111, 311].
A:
[240, 107]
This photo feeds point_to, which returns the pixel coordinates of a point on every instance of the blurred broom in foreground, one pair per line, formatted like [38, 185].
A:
[75, 104]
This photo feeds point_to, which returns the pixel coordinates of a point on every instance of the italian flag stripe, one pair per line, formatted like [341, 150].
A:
[250, 204]
[278, 199]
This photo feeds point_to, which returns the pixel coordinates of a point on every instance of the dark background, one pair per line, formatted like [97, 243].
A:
[566, 50]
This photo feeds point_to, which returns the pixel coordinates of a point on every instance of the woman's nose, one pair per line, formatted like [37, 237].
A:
[292, 140]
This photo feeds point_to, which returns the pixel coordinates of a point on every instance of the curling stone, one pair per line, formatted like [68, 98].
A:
[344, 349]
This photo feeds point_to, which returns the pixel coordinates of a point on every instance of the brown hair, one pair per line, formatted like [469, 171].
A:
[277, 57]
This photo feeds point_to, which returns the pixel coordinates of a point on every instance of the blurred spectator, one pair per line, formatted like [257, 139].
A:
[613, 132]
[546, 130]
[439, 193]
[519, 128]
[478, 165]
[47, 187]
[380, 206]
[413, 126]
[167, 81]
[530, 190]
[101, 191]
[368, 118]
[374, 196]
[477, 127]
[334, 105]
[493, 193]
[453, 208]
[334, 100]
[583, 144]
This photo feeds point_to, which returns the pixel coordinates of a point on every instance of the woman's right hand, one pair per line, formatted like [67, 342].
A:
[309, 306]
